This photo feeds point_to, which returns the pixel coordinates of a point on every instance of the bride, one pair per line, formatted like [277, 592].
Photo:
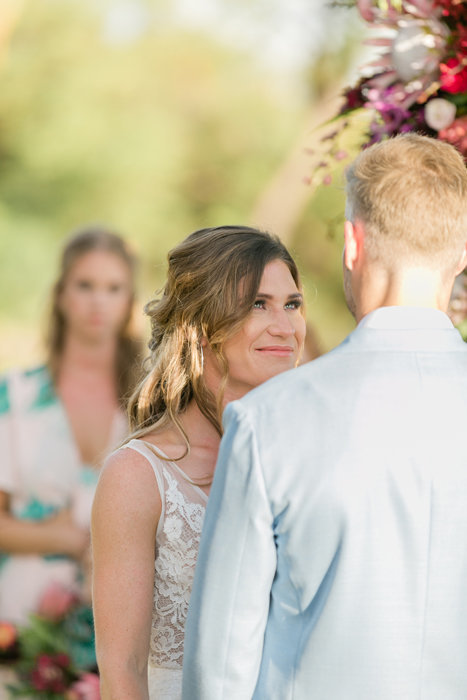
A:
[230, 317]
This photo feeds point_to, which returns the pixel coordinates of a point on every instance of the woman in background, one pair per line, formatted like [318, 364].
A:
[230, 317]
[58, 421]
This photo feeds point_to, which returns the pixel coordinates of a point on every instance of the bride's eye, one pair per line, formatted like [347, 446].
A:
[259, 304]
[295, 304]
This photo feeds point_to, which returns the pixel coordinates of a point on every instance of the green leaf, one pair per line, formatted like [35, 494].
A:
[40, 637]
[462, 328]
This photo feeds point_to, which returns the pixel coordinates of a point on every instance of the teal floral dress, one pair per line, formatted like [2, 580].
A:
[41, 471]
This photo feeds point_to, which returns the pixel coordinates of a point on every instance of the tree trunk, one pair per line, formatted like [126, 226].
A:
[281, 203]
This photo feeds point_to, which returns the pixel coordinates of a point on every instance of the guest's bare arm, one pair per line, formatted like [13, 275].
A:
[125, 515]
[55, 535]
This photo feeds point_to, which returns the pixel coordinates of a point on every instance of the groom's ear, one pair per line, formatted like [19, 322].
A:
[462, 261]
[353, 237]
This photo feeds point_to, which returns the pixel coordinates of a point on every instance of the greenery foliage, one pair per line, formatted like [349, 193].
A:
[156, 135]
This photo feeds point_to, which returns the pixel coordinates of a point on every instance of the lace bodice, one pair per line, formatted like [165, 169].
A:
[177, 542]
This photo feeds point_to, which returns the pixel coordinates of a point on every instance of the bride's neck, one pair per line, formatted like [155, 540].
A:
[198, 428]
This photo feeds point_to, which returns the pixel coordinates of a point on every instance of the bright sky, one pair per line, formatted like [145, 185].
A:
[282, 32]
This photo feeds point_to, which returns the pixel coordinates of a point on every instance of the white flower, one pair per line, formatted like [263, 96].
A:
[417, 47]
[439, 113]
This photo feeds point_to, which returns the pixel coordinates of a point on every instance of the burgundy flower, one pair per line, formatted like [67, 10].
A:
[452, 8]
[353, 98]
[49, 673]
[418, 80]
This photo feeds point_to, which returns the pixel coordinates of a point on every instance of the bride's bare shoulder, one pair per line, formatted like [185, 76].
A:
[127, 485]
[126, 470]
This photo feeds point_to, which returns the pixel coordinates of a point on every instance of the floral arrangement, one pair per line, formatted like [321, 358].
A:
[418, 82]
[53, 656]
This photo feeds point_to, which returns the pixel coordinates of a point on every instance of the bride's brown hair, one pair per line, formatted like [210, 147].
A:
[212, 282]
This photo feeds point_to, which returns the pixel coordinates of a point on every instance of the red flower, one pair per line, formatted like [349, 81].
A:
[452, 8]
[8, 635]
[453, 76]
[49, 673]
[86, 688]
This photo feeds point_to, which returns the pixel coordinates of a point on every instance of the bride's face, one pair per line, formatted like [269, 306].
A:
[271, 338]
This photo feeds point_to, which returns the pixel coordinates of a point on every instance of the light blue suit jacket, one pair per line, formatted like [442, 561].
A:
[333, 563]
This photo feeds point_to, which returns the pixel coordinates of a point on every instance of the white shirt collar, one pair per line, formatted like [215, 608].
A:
[406, 317]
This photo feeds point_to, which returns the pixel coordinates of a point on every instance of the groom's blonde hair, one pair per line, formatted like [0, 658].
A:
[410, 193]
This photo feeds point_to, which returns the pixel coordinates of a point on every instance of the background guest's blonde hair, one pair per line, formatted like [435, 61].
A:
[81, 242]
[411, 194]
[212, 282]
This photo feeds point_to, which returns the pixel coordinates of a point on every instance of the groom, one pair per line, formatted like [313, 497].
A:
[333, 564]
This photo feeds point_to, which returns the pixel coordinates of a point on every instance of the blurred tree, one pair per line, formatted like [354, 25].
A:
[307, 215]
[111, 112]
[156, 135]
[10, 11]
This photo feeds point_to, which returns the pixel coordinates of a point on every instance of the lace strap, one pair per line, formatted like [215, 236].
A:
[141, 447]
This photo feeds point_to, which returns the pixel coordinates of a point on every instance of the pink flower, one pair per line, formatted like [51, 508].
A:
[8, 635]
[86, 688]
[340, 154]
[456, 134]
[420, 8]
[56, 601]
[366, 9]
[453, 76]
[49, 673]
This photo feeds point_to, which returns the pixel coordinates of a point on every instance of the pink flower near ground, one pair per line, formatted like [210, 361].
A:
[86, 688]
[56, 602]
[8, 635]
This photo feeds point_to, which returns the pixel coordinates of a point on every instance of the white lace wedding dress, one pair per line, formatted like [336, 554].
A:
[177, 542]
